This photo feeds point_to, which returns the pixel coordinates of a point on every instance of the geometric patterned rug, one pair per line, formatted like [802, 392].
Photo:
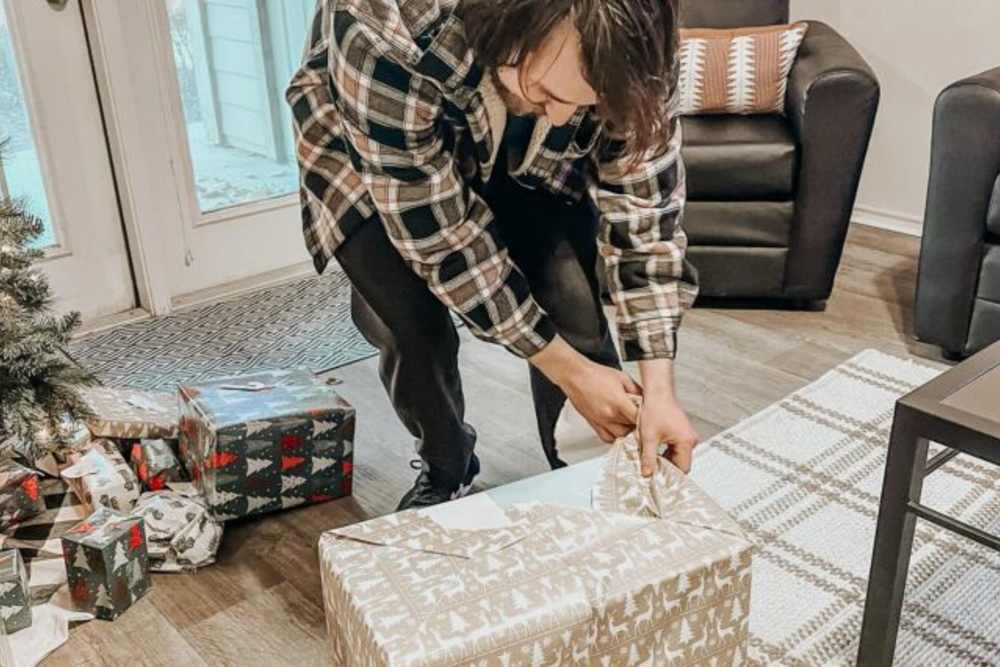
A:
[804, 476]
[301, 324]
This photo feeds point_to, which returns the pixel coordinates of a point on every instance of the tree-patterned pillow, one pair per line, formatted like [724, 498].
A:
[739, 71]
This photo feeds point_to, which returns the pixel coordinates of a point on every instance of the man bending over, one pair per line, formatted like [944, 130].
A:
[483, 157]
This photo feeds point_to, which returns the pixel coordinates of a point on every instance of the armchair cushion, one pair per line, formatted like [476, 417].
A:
[989, 276]
[739, 158]
[993, 213]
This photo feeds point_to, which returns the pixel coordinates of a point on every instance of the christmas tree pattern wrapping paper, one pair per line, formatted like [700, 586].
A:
[102, 478]
[655, 574]
[15, 599]
[106, 563]
[20, 498]
[130, 414]
[266, 442]
[180, 534]
[155, 464]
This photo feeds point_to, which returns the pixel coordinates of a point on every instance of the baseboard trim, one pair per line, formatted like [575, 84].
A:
[250, 284]
[893, 221]
[105, 322]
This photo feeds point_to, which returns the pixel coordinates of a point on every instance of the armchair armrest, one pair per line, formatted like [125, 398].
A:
[965, 163]
[831, 103]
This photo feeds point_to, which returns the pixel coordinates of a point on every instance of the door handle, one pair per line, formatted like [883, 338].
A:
[57, 5]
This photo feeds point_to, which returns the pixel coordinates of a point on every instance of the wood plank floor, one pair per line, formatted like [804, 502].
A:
[261, 603]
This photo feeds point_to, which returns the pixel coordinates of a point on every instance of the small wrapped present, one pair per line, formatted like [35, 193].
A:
[20, 497]
[179, 531]
[155, 463]
[46, 453]
[652, 572]
[102, 478]
[58, 453]
[106, 563]
[131, 413]
[15, 598]
[265, 442]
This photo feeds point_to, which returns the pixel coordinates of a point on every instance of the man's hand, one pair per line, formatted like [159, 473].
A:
[663, 421]
[601, 394]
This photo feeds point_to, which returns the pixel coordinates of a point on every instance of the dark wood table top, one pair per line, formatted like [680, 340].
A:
[964, 403]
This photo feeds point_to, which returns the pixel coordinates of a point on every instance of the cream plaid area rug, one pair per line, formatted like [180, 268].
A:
[804, 477]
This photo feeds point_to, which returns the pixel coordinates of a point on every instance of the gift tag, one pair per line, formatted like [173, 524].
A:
[248, 386]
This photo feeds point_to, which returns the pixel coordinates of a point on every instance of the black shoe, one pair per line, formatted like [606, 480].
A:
[424, 494]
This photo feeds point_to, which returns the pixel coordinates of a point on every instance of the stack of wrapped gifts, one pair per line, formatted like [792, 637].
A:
[156, 474]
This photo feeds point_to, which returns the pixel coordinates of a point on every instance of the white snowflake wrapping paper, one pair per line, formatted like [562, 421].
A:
[102, 478]
[654, 574]
[180, 534]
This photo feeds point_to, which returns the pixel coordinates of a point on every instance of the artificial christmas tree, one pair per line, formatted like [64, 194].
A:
[38, 379]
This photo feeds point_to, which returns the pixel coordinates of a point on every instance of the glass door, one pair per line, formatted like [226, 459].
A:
[55, 158]
[233, 59]
[231, 62]
[203, 139]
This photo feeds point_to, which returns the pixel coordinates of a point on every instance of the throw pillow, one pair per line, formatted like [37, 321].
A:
[741, 71]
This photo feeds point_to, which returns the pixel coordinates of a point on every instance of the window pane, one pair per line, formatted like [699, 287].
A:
[20, 172]
[234, 59]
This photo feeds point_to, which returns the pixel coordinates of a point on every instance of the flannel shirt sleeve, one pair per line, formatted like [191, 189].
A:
[391, 122]
[644, 245]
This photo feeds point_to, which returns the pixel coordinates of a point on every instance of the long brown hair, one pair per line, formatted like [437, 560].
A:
[629, 50]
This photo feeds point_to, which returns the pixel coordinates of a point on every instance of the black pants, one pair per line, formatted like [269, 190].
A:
[554, 245]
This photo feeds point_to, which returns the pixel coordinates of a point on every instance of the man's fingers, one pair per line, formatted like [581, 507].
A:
[680, 456]
[604, 434]
[625, 410]
[631, 386]
[648, 441]
[619, 430]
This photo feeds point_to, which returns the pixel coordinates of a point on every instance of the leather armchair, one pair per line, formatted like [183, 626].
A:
[770, 196]
[958, 283]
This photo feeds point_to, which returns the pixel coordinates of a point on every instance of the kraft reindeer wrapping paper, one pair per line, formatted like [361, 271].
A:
[655, 573]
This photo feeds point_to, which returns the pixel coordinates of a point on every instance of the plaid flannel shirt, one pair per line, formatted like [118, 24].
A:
[392, 119]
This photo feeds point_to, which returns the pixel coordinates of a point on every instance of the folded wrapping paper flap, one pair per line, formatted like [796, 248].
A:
[416, 531]
[91, 463]
[668, 496]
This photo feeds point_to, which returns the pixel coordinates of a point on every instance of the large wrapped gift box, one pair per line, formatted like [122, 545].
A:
[652, 573]
[129, 414]
[15, 598]
[266, 442]
[102, 478]
[20, 498]
[106, 563]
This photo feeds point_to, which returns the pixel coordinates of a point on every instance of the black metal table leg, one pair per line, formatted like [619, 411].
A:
[904, 477]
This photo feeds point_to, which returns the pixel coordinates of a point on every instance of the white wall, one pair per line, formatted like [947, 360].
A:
[916, 47]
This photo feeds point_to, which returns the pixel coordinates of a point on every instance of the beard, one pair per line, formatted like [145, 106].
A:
[515, 104]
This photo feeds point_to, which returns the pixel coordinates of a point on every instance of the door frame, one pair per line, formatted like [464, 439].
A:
[134, 62]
